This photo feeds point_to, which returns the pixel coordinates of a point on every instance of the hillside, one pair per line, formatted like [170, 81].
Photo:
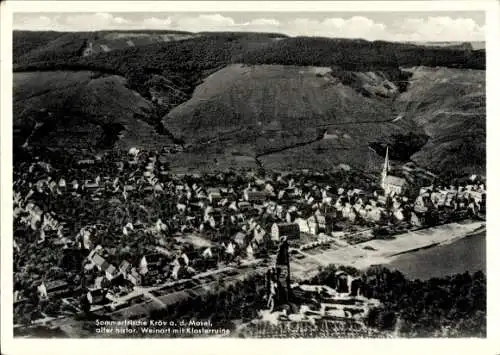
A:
[361, 54]
[186, 62]
[450, 106]
[40, 46]
[257, 99]
[308, 117]
[80, 109]
[468, 46]
[273, 112]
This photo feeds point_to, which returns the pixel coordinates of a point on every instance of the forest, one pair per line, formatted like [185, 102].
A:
[186, 62]
[361, 55]
[453, 306]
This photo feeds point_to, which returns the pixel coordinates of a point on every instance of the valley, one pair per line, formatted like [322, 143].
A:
[230, 109]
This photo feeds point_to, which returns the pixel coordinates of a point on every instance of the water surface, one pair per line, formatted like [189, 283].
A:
[466, 254]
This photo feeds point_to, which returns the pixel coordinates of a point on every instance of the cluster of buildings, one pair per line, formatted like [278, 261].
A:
[135, 224]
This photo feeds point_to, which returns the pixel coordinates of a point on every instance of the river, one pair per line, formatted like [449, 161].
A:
[466, 254]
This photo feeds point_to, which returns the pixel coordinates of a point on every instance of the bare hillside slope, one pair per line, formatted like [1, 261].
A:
[450, 106]
[80, 108]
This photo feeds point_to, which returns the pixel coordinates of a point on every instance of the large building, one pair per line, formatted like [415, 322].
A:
[289, 230]
[390, 183]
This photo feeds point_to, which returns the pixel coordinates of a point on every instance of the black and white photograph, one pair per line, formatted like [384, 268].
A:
[248, 175]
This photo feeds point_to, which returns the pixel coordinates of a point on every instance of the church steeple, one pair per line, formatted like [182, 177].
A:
[386, 168]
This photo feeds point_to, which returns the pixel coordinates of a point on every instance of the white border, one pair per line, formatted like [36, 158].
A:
[218, 346]
[246, 6]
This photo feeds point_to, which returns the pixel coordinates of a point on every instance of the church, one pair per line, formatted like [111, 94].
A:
[391, 184]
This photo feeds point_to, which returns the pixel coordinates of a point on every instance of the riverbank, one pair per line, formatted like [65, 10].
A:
[464, 255]
[383, 252]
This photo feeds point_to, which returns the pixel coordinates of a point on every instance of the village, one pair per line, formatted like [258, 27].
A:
[112, 233]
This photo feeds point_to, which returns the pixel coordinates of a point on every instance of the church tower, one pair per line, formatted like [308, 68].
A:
[386, 168]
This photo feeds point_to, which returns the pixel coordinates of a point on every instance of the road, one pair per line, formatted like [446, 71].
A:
[308, 263]
[172, 295]
[140, 291]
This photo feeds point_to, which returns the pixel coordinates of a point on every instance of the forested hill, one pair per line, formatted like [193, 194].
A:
[186, 61]
[193, 83]
[361, 54]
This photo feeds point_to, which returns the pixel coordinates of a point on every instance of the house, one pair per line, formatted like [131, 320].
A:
[216, 219]
[181, 207]
[153, 263]
[111, 272]
[176, 268]
[269, 188]
[415, 220]
[96, 260]
[310, 200]
[96, 296]
[258, 234]
[226, 191]
[373, 214]
[290, 230]
[317, 223]
[207, 253]
[250, 251]
[86, 162]
[185, 259]
[260, 182]
[257, 197]
[230, 248]
[303, 225]
[99, 282]
[233, 206]
[420, 205]
[241, 239]
[214, 195]
[52, 288]
[91, 185]
[244, 206]
[363, 212]
[124, 268]
[327, 197]
[62, 183]
[134, 277]
[398, 214]
[163, 251]
[271, 208]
